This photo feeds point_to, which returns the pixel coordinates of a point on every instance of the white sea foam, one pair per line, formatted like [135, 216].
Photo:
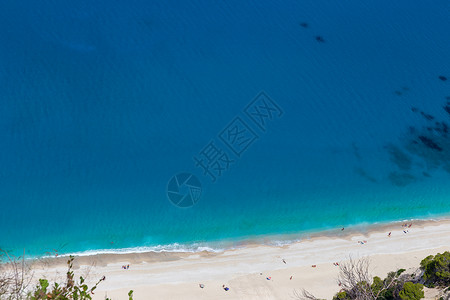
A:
[194, 248]
[217, 247]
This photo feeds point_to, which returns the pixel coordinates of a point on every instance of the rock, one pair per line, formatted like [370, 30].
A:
[320, 39]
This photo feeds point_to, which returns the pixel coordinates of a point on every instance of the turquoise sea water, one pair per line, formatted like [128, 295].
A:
[102, 103]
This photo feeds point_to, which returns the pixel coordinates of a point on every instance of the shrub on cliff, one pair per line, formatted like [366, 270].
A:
[436, 269]
[71, 289]
[412, 291]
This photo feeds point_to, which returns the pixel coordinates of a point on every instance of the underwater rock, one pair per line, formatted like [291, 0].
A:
[414, 109]
[320, 39]
[304, 25]
[442, 127]
[356, 151]
[429, 143]
[398, 157]
[364, 174]
[426, 174]
[401, 179]
[447, 108]
[446, 168]
[427, 116]
[398, 93]
[443, 78]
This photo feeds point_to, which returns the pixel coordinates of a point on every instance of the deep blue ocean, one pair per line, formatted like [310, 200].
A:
[102, 102]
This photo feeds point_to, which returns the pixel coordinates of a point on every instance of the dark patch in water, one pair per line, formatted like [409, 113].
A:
[445, 127]
[412, 129]
[426, 174]
[447, 108]
[320, 39]
[414, 109]
[398, 157]
[446, 168]
[364, 175]
[443, 78]
[304, 25]
[442, 127]
[398, 93]
[427, 116]
[401, 179]
[429, 143]
[356, 151]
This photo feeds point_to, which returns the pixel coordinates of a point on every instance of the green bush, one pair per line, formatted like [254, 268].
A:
[341, 296]
[377, 285]
[70, 290]
[412, 291]
[436, 269]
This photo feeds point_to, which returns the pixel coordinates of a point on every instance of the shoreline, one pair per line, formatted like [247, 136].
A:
[176, 275]
[274, 240]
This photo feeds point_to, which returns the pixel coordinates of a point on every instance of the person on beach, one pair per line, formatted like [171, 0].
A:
[201, 285]
[342, 229]
[225, 288]
[290, 278]
[284, 261]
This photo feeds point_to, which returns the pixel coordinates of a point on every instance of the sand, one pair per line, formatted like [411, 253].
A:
[245, 270]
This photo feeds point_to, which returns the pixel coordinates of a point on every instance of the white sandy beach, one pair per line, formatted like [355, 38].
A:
[245, 270]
